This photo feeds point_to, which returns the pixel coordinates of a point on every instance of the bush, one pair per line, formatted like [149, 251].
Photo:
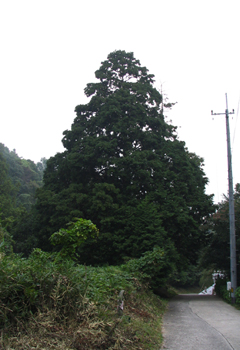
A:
[153, 268]
[43, 282]
[237, 295]
[71, 318]
[221, 289]
[28, 285]
[187, 277]
[6, 241]
[70, 239]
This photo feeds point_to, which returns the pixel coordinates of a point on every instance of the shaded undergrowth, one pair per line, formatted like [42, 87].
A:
[46, 303]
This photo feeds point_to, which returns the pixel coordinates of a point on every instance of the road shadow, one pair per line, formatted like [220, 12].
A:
[196, 297]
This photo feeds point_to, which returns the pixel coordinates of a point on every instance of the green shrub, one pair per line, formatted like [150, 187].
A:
[44, 282]
[187, 277]
[70, 239]
[221, 289]
[153, 268]
[28, 285]
[6, 240]
[237, 295]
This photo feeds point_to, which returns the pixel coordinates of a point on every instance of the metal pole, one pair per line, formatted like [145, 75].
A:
[233, 260]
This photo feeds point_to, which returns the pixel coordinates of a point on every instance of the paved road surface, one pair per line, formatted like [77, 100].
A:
[201, 322]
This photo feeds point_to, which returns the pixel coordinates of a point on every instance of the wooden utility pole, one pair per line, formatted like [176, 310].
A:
[233, 260]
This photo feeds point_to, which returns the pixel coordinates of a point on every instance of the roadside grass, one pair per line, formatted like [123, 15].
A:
[48, 304]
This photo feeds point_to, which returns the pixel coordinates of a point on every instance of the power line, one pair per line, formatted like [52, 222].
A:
[235, 127]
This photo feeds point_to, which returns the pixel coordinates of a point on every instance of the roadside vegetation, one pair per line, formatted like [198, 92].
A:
[221, 290]
[48, 303]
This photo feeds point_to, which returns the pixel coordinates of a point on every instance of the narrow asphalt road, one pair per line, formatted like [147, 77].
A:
[200, 322]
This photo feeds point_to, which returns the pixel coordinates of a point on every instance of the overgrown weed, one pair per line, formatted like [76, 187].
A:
[48, 304]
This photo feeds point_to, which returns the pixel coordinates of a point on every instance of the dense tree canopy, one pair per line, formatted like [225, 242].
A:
[7, 193]
[125, 169]
[19, 179]
[24, 174]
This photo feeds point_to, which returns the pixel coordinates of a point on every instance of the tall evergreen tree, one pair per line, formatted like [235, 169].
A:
[124, 168]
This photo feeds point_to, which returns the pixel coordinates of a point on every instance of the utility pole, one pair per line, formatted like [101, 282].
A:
[233, 260]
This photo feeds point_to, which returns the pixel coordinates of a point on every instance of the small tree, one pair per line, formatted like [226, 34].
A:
[70, 239]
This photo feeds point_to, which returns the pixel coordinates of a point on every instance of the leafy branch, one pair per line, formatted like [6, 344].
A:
[73, 237]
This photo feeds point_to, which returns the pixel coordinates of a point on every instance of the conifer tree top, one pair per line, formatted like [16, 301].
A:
[120, 69]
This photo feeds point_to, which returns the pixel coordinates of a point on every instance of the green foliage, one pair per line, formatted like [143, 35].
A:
[70, 239]
[153, 268]
[237, 295]
[7, 194]
[19, 180]
[217, 229]
[23, 232]
[185, 278]
[40, 297]
[221, 289]
[6, 241]
[42, 281]
[25, 175]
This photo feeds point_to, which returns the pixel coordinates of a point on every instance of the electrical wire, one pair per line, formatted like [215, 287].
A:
[235, 127]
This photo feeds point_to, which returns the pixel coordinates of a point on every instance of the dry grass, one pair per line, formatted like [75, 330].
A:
[47, 304]
[95, 327]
